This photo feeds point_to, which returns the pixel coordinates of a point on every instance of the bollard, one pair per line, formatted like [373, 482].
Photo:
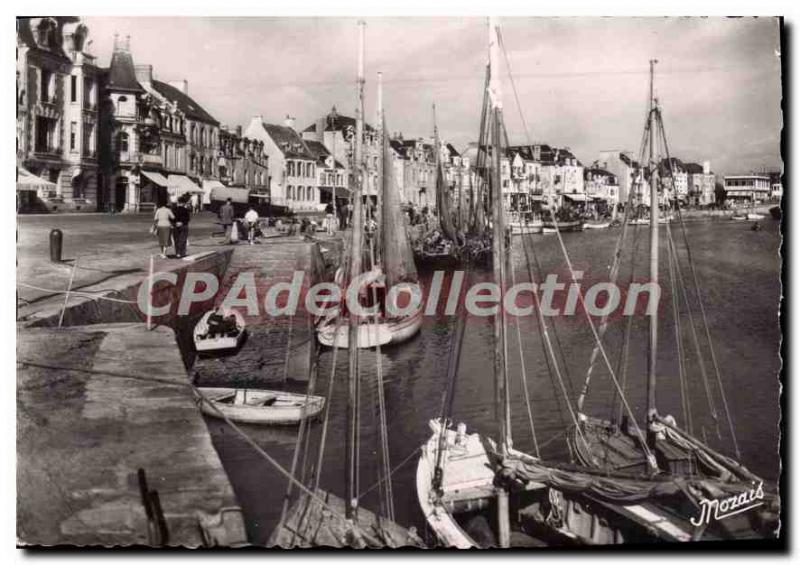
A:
[56, 241]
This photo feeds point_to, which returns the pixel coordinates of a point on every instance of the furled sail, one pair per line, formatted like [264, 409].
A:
[398, 258]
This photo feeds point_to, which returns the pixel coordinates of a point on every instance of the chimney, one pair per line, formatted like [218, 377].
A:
[182, 85]
[706, 167]
[321, 130]
[144, 74]
[289, 121]
[238, 131]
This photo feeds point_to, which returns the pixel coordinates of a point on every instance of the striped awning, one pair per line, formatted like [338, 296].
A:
[157, 178]
[181, 184]
[28, 182]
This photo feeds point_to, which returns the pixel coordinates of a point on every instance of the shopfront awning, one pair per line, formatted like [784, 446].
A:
[156, 178]
[28, 182]
[181, 184]
[209, 186]
[577, 197]
[222, 193]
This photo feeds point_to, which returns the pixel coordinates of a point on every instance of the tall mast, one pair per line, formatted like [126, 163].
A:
[381, 232]
[651, 365]
[498, 240]
[355, 270]
[502, 399]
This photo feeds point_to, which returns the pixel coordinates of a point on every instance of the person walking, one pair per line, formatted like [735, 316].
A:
[194, 203]
[182, 216]
[162, 222]
[226, 214]
[251, 220]
[329, 217]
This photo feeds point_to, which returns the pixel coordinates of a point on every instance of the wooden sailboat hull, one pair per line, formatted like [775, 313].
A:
[265, 407]
[309, 524]
[370, 335]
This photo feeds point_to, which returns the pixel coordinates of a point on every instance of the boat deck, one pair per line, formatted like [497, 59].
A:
[310, 524]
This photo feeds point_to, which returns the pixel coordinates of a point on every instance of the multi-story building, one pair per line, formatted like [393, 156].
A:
[419, 170]
[600, 184]
[337, 133]
[293, 166]
[332, 176]
[241, 162]
[747, 188]
[776, 185]
[675, 179]
[701, 183]
[57, 117]
[626, 169]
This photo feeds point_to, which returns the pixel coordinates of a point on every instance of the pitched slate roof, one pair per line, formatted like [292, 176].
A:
[321, 152]
[341, 123]
[693, 168]
[185, 103]
[289, 142]
[121, 74]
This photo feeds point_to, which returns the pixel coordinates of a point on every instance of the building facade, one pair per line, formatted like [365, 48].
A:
[57, 109]
[701, 183]
[241, 162]
[293, 167]
[747, 188]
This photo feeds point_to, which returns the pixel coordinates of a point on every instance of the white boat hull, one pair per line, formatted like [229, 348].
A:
[752, 216]
[596, 226]
[282, 408]
[371, 334]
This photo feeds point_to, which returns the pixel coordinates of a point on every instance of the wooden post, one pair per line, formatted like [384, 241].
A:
[503, 519]
[150, 297]
[69, 289]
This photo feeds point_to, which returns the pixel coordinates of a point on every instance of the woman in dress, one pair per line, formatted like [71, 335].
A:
[163, 224]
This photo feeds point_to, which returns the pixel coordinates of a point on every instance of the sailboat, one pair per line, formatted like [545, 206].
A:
[441, 246]
[391, 263]
[477, 490]
[318, 518]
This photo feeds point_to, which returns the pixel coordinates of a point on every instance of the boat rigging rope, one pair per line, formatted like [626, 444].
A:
[703, 315]
[384, 430]
[524, 373]
[650, 457]
[708, 336]
[671, 260]
[81, 293]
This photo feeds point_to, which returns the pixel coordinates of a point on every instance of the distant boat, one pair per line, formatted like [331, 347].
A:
[775, 212]
[266, 407]
[596, 225]
[639, 222]
[739, 217]
[550, 226]
[754, 216]
[219, 330]
[520, 228]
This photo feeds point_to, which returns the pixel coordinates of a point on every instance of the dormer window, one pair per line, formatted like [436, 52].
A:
[45, 32]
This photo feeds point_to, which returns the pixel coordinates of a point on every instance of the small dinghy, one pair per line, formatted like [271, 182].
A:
[255, 406]
[755, 216]
[219, 330]
[596, 225]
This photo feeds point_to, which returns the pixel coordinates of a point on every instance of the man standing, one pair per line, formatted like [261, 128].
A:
[251, 219]
[182, 216]
[226, 219]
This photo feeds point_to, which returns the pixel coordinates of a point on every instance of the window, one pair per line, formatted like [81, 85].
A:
[45, 134]
[88, 93]
[45, 86]
[310, 193]
[123, 144]
[289, 191]
[73, 88]
[73, 134]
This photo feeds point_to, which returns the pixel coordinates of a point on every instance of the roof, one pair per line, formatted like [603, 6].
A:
[121, 74]
[185, 103]
[321, 152]
[451, 150]
[289, 142]
[339, 123]
[25, 34]
[672, 163]
[693, 168]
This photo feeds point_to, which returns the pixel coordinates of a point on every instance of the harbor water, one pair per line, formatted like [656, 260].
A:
[739, 275]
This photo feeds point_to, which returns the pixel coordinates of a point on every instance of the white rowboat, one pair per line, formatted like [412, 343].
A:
[255, 406]
[207, 339]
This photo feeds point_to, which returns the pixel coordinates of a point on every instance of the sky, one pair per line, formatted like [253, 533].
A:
[582, 83]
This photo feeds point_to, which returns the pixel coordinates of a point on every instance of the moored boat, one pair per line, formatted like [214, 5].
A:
[549, 226]
[596, 225]
[257, 406]
[754, 216]
[221, 329]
